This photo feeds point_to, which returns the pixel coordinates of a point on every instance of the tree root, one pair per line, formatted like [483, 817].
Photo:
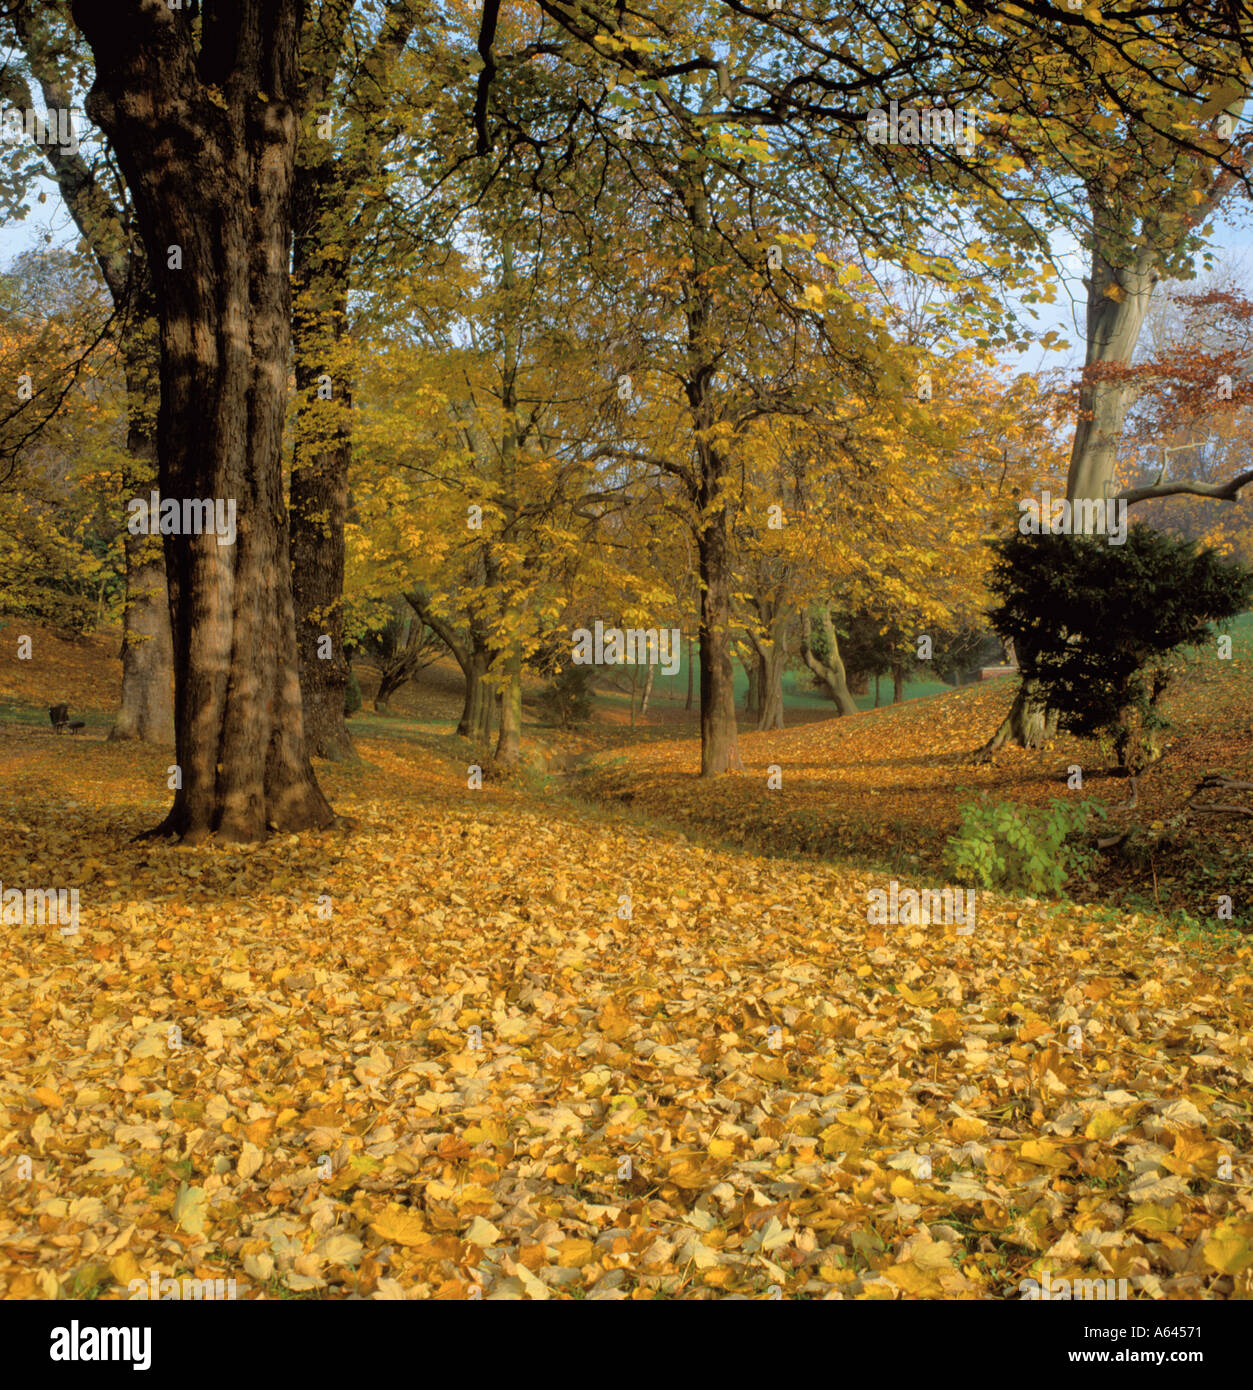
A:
[1214, 782]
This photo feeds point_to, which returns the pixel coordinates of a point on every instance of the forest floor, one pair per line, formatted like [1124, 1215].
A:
[542, 1039]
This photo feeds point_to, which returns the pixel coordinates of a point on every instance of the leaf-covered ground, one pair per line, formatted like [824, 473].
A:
[479, 1070]
[884, 787]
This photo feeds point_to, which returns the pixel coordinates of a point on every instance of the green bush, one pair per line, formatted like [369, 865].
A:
[1004, 845]
[1094, 624]
[567, 700]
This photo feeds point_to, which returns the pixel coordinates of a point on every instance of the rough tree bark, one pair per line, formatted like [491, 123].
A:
[509, 741]
[719, 735]
[475, 723]
[201, 112]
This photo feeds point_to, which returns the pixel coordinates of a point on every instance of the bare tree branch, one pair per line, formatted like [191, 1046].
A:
[1227, 492]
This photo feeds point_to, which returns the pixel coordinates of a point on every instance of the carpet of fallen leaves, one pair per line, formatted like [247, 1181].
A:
[884, 787]
[478, 1070]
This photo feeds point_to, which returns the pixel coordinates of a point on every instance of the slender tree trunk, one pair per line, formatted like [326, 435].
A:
[206, 141]
[752, 686]
[771, 715]
[409, 654]
[831, 671]
[648, 689]
[329, 197]
[719, 735]
[146, 712]
[876, 689]
[319, 490]
[395, 674]
[898, 683]
[471, 718]
[475, 659]
[509, 743]
[691, 666]
[769, 656]
[388, 686]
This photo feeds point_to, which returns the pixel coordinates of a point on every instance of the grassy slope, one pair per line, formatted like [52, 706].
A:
[883, 787]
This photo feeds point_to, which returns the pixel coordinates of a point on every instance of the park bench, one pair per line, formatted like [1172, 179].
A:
[987, 673]
[60, 717]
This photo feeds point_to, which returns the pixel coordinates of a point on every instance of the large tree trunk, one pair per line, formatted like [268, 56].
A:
[719, 736]
[1029, 724]
[146, 711]
[1118, 300]
[830, 672]
[206, 141]
[475, 723]
[509, 743]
